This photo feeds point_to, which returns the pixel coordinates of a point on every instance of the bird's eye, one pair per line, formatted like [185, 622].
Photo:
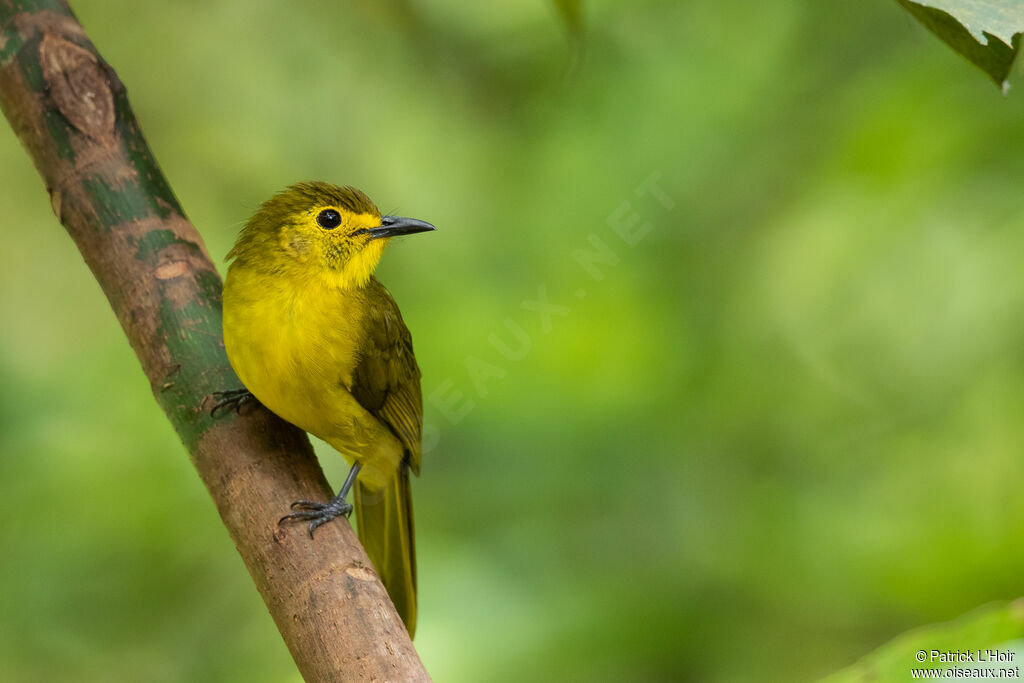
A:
[328, 219]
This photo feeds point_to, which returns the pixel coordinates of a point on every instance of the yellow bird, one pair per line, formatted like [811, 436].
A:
[321, 343]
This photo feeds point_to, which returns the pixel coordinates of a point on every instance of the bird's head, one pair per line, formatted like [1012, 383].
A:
[316, 228]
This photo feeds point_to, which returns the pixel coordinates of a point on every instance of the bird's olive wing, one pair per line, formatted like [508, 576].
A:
[387, 380]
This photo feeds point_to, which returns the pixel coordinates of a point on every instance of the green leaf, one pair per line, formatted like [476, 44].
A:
[996, 627]
[986, 32]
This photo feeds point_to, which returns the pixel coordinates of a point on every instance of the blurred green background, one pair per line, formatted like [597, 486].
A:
[784, 427]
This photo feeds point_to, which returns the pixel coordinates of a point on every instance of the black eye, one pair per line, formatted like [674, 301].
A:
[328, 219]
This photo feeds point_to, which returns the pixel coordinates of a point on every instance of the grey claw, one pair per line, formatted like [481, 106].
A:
[300, 516]
[315, 523]
[316, 513]
[233, 398]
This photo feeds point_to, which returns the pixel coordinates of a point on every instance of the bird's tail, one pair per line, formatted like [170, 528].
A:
[385, 528]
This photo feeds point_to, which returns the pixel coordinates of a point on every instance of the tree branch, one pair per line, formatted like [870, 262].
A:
[72, 115]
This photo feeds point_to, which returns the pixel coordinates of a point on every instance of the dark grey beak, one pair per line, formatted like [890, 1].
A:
[396, 226]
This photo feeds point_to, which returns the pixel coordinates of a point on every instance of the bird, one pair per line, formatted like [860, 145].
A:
[319, 341]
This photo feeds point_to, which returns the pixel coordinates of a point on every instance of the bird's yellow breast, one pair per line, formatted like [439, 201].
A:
[293, 341]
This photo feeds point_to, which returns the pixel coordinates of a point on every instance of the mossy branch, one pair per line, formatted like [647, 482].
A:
[72, 115]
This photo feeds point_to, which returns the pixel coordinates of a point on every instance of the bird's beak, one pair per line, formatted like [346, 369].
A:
[395, 226]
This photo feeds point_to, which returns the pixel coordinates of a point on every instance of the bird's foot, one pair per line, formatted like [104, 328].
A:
[320, 513]
[317, 513]
[233, 398]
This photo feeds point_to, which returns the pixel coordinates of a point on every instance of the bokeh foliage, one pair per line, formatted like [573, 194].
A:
[781, 430]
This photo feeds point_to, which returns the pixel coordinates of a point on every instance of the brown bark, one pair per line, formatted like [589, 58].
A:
[72, 115]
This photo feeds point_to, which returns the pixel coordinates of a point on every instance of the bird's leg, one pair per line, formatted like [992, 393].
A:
[232, 398]
[321, 513]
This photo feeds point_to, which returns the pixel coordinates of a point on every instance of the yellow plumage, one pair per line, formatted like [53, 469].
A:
[320, 342]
